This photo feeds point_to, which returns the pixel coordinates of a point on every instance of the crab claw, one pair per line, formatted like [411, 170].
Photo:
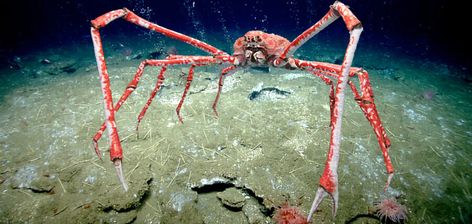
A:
[119, 173]
[321, 193]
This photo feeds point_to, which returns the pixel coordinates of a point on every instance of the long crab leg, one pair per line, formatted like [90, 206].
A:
[134, 83]
[366, 103]
[187, 87]
[102, 21]
[116, 154]
[157, 87]
[225, 72]
[159, 82]
[129, 16]
[115, 146]
[129, 89]
[329, 179]
[327, 19]
[329, 82]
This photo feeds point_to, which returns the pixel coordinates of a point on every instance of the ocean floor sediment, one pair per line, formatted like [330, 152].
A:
[257, 155]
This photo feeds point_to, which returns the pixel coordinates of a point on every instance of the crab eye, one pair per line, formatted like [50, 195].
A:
[258, 38]
[246, 38]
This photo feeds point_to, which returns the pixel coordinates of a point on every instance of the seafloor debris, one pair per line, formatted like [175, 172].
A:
[429, 94]
[236, 197]
[232, 198]
[206, 185]
[45, 61]
[69, 68]
[268, 93]
[252, 211]
[126, 202]
[14, 62]
[29, 177]
[390, 72]
[162, 53]
[136, 56]
[261, 69]
[178, 200]
[398, 77]
[156, 54]
[40, 185]
[57, 67]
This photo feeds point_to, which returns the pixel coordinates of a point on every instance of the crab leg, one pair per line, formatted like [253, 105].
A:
[226, 72]
[187, 87]
[115, 146]
[116, 152]
[329, 82]
[160, 80]
[129, 16]
[329, 179]
[129, 89]
[366, 103]
[330, 17]
[134, 83]
[336, 10]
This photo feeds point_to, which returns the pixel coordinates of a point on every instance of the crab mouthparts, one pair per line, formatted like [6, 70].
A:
[255, 56]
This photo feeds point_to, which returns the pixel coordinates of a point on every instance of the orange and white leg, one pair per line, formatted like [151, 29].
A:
[116, 154]
[226, 72]
[329, 179]
[367, 105]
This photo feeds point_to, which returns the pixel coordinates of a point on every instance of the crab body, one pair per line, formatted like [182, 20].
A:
[257, 48]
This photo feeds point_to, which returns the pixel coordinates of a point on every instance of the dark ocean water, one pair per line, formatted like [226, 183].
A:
[271, 150]
[423, 28]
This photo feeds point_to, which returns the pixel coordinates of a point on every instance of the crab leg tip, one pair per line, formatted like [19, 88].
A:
[321, 193]
[119, 173]
[181, 120]
[137, 131]
[389, 180]
[97, 150]
[215, 112]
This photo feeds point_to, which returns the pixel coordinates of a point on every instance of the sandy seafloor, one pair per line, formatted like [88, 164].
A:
[255, 156]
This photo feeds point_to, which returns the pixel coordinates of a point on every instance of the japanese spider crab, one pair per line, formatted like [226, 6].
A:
[255, 48]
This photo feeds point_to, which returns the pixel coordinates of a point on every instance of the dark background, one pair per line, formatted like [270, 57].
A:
[428, 28]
